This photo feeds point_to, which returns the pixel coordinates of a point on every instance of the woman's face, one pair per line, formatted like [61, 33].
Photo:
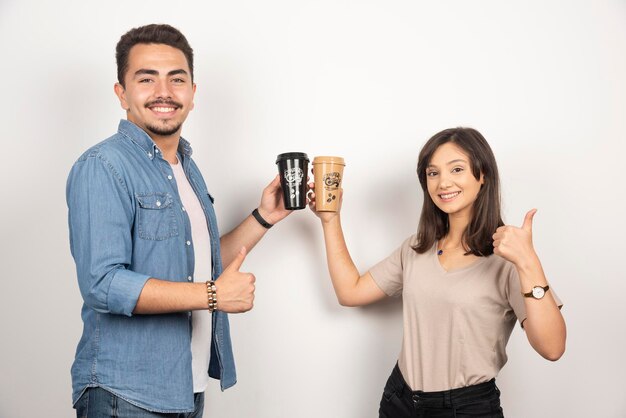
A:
[451, 184]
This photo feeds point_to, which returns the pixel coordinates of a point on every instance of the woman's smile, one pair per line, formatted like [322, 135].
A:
[448, 197]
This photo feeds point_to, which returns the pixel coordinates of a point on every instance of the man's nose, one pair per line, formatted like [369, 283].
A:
[162, 89]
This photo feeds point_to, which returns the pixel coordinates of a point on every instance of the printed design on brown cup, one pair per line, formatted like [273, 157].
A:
[294, 178]
[328, 172]
[332, 180]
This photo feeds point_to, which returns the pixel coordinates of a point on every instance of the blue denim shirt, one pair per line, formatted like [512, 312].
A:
[127, 224]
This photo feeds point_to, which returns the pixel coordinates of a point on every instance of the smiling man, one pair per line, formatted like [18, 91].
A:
[148, 253]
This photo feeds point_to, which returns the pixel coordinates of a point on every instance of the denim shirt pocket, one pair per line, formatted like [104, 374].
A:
[155, 216]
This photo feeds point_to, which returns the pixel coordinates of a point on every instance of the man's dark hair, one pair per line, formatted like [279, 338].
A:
[150, 34]
[433, 224]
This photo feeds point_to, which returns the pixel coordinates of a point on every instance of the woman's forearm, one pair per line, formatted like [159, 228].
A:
[343, 272]
[544, 324]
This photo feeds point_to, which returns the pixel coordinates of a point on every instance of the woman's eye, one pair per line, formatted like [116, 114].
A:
[431, 173]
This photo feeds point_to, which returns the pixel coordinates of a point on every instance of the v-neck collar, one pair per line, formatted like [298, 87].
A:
[435, 257]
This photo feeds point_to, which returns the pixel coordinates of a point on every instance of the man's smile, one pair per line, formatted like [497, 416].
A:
[163, 108]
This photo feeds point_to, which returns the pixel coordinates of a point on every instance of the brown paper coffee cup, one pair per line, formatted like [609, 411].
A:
[328, 172]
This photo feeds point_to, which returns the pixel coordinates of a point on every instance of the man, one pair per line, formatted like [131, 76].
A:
[148, 254]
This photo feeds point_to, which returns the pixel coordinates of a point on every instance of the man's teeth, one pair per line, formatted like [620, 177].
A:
[449, 195]
[163, 109]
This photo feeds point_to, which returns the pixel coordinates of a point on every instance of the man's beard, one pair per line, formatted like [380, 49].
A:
[164, 130]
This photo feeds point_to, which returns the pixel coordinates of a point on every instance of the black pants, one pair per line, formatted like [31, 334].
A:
[477, 401]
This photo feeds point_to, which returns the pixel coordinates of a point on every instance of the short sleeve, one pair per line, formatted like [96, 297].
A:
[388, 274]
[515, 297]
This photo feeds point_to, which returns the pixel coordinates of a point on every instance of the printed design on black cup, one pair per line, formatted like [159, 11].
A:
[332, 180]
[294, 178]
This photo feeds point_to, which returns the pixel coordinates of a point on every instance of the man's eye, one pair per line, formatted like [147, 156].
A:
[178, 80]
[457, 169]
[145, 80]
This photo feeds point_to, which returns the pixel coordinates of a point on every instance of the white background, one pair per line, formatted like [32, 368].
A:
[544, 81]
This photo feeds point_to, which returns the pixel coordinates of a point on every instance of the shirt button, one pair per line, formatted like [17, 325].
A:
[184, 210]
[158, 203]
[188, 243]
[169, 177]
[150, 154]
[189, 314]
[189, 278]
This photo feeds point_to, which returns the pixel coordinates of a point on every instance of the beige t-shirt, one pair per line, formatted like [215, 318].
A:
[456, 323]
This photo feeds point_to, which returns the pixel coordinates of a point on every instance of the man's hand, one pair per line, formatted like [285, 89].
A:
[234, 289]
[272, 207]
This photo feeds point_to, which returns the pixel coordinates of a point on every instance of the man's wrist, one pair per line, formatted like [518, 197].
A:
[262, 220]
[211, 292]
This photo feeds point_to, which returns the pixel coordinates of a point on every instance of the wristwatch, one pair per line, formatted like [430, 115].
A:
[537, 292]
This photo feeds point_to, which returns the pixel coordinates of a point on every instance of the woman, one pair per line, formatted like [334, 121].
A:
[465, 278]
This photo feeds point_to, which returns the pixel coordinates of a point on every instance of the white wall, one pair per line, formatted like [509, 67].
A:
[545, 82]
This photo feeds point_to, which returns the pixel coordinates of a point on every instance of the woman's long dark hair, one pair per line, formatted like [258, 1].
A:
[486, 217]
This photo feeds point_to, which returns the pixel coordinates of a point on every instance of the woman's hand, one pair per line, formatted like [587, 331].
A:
[544, 324]
[324, 216]
[516, 244]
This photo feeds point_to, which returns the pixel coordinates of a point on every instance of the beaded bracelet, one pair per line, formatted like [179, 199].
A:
[211, 292]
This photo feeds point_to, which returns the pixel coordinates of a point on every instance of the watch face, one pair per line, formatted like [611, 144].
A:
[538, 292]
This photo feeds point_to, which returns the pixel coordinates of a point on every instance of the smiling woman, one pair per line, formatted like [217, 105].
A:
[459, 176]
[464, 280]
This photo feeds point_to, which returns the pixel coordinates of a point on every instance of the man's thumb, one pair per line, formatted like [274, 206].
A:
[235, 265]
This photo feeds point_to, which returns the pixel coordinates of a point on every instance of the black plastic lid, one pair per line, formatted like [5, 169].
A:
[292, 156]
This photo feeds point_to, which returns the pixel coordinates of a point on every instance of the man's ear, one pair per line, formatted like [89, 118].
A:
[120, 92]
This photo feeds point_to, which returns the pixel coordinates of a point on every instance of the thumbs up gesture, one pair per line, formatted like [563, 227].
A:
[515, 244]
[234, 289]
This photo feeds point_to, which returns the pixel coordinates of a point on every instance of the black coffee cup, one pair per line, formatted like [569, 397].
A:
[293, 168]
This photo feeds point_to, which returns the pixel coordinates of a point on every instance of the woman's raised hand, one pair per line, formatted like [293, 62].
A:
[324, 216]
[515, 244]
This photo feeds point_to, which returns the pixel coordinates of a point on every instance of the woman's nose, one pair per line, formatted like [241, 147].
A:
[444, 181]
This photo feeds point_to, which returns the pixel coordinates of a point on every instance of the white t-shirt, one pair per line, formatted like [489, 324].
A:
[200, 320]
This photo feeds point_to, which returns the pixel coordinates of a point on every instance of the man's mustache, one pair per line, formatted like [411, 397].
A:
[170, 103]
